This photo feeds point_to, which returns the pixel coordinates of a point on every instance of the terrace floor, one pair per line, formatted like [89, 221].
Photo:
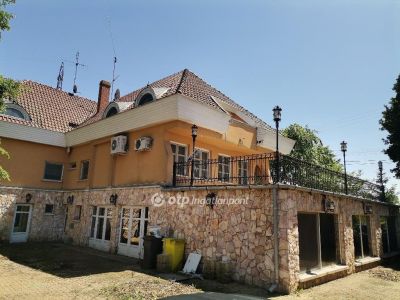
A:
[58, 271]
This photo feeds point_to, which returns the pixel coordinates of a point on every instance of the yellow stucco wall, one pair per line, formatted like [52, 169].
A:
[148, 167]
[27, 162]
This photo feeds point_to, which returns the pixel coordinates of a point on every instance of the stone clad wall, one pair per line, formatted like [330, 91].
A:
[293, 202]
[43, 227]
[240, 235]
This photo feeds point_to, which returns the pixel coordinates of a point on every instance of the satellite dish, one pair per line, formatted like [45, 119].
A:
[117, 95]
[75, 89]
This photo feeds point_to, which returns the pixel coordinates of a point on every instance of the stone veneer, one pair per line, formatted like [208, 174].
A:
[44, 227]
[239, 235]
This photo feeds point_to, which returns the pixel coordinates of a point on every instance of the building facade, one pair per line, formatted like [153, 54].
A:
[101, 174]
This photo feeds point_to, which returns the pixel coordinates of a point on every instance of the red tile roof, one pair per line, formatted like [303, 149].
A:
[50, 108]
[189, 84]
[56, 110]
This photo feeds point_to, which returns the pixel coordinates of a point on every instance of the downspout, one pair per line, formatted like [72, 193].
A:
[275, 195]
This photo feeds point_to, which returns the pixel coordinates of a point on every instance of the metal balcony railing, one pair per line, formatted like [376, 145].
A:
[261, 169]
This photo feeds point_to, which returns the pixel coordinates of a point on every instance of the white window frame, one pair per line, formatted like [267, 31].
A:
[201, 170]
[97, 217]
[176, 155]
[222, 174]
[243, 171]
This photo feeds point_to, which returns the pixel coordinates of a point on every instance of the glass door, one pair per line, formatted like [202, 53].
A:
[133, 227]
[21, 223]
[100, 231]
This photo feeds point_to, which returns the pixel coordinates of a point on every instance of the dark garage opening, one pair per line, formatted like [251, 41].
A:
[328, 240]
[308, 242]
[361, 236]
[392, 233]
[317, 240]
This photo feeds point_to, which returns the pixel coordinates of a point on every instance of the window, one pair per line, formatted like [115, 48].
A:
[77, 212]
[101, 223]
[53, 171]
[242, 172]
[201, 164]
[14, 113]
[146, 98]
[179, 154]
[111, 112]
[223, 168]
[84, 170]
[49, 209]
[15, 110]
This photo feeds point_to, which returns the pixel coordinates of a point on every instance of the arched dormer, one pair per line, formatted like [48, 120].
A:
[115, 108]
[147, 95]
[14, 110]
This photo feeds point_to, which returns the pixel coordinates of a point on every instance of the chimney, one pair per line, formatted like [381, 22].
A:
[104, 95]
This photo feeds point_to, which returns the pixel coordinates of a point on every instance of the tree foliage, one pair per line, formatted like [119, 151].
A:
[391, 123]
[310, 148]
[8, 87]
[5, 17]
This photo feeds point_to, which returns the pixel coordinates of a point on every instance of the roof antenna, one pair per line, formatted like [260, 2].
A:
[60, 77]
[114, 78]
[75, 88]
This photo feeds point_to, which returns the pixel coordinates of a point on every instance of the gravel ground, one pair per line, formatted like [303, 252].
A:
[57, 271]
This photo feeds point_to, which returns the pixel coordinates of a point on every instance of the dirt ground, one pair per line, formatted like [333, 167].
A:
[58, 271]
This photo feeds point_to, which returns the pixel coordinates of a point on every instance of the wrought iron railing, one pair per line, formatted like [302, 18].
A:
[261, 169]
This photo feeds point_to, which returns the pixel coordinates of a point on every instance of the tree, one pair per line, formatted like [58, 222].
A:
[391, 123]
[310, 148]
[5, 17]
[8, 87]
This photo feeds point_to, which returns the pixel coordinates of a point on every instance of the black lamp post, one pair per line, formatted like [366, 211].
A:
[381, 181]
[343, 147]
[194, 135]
[277, 118]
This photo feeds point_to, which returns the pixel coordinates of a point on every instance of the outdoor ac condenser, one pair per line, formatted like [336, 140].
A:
[144, 143]
[119, 144]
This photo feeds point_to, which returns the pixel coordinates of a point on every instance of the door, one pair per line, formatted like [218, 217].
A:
[21, 223]
[133, 227]
[100, 231]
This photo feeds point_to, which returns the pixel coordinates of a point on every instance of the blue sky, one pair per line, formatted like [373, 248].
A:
[328, 64]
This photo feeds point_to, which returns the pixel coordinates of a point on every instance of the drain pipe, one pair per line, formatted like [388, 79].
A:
[275, 194]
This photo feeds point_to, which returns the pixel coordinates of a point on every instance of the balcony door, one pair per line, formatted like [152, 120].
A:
[100, 232]
[133, 227]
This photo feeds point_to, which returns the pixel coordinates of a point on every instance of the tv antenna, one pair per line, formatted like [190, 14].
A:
[60, 77]
[77, 64]
[114, 78]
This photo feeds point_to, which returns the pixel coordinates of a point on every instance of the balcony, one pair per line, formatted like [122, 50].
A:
[261, 169]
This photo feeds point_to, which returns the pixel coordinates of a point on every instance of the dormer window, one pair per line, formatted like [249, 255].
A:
[111, 112]
[146, 98]
[16, 111]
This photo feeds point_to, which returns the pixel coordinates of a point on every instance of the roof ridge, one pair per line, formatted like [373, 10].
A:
[184, 73]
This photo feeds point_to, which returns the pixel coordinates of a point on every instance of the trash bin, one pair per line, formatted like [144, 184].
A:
[175, 248]
[152, 247]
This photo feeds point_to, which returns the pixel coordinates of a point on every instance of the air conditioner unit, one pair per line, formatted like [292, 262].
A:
[144, 143]
[119, 144]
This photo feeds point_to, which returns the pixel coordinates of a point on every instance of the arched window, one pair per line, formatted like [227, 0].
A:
[111, 112]
[16, 111]
[146, 98]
